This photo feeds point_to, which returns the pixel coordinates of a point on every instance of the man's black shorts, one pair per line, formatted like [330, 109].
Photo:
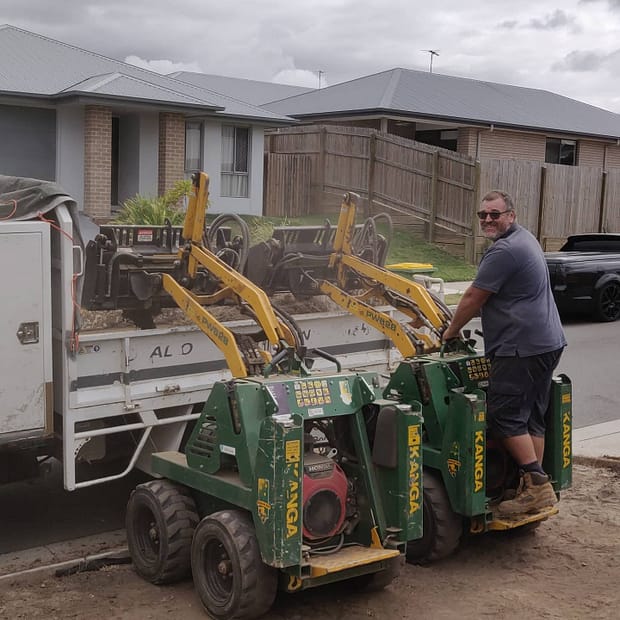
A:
[518, 394]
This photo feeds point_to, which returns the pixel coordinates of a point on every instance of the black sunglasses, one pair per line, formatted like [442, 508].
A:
[494, 215]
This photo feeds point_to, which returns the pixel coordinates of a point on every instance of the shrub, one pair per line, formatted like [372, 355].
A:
[155, 210]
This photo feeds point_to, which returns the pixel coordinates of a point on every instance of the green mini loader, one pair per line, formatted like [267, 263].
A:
[290, 479]
[465, 472]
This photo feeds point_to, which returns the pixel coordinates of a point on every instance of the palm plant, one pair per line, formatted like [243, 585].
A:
[156, 210]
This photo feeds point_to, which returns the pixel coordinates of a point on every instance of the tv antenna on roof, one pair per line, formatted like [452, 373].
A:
[432, 53]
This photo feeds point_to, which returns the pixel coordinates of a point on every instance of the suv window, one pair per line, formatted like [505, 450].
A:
[592, 245]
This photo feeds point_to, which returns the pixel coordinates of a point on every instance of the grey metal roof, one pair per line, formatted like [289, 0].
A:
[31, 64]
[434, 96]
[125, 86]
[254, 91]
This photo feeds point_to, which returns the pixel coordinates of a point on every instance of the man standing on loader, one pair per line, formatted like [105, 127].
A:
[523, 339]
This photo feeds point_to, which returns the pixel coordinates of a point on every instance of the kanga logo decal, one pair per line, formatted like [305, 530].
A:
[454, 459]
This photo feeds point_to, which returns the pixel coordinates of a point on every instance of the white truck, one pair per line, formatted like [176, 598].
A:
[109, 397]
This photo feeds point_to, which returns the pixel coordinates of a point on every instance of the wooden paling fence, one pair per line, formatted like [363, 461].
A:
[287, 185]
[434, 191]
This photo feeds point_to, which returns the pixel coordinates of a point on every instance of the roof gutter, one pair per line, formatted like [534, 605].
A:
[133, 100]
[312, 118]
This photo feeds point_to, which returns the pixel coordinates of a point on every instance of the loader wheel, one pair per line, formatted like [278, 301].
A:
[442, 526]
[160, 522]
[229, 575]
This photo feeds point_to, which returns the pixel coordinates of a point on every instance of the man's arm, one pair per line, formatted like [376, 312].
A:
[473, 299]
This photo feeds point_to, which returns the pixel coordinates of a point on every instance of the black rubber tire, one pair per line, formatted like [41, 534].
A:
[381, 579]
[607, 302]
[442, 526]
[235, 258]
[160, 522]
[229, 575]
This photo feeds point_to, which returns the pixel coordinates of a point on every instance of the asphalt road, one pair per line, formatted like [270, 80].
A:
[40, 512]
[591, 361]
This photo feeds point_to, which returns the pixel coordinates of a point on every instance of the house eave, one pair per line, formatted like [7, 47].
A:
[220, 116]
[375, 113]
[189, 110]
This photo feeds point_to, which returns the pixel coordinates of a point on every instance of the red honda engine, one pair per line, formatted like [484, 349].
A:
[324, 497]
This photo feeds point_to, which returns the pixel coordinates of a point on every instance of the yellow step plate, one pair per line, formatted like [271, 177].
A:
[348, 558]
[509, 523]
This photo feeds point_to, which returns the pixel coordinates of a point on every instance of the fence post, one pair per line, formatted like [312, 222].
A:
[266, 192]
[433, 210]
[541, 204]
[371, 173]
[602, 211]
[470, 253]
[321, 167]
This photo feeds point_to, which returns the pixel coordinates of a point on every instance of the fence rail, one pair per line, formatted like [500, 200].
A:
[433, 190]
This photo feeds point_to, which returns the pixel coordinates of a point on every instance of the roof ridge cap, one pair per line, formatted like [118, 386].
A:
[388, 93]
[106, 78]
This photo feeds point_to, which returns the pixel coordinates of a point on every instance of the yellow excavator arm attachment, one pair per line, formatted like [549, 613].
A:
[231, 284]
[429, 318]
[374, 317]
[220, 335]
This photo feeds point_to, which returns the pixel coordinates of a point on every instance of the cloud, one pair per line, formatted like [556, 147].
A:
[299, 77]
[163, 66]
[613, 4]
[557, 19]
[580, 61]
[535, 43]
[509, 24]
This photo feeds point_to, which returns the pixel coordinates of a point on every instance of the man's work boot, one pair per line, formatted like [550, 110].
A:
[535, 492]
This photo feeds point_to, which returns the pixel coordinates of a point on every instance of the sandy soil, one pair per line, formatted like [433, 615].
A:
[115, 319]
[568, 568]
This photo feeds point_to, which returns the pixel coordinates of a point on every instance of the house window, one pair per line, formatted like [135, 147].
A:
[235, 161]
[193, 146]
[559, 151]
[446, 139]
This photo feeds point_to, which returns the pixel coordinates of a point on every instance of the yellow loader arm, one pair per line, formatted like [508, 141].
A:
[429, 317]
[231, 285]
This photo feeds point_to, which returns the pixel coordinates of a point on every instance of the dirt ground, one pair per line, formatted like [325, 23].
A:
[568, 568]
[113, 319]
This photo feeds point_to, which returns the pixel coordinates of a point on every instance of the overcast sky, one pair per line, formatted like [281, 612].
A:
[570, 47]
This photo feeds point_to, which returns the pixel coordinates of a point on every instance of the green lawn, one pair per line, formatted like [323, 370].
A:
[404, 248]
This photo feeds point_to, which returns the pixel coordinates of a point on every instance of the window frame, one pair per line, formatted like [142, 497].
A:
[200, 126]
[237, 175]
[559, 144]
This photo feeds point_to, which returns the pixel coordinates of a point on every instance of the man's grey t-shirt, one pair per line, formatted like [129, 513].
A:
[521, 317]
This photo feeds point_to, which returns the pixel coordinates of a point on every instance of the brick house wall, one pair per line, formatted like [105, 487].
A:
[590, 153]
[500, 144]
[467, 141]
[171, 150]
[97, 161]
[612, 157]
